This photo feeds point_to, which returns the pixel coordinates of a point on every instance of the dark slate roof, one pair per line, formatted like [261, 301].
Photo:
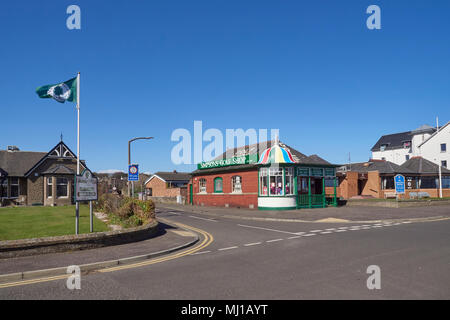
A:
[382, 166]
[59, 169]
[395, 140]
[17, 163]
[174, 176]
[424, 166]
[258, 148]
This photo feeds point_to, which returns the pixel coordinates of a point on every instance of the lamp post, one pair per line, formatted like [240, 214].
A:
[129, 156]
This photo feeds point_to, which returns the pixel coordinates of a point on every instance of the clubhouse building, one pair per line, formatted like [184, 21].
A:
[38, 178]
[265, 176]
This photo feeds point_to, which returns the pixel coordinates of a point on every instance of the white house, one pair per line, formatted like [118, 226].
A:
[427, 142]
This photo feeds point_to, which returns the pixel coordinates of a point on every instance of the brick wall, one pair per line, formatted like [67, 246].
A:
[248, 197]
[159, 188]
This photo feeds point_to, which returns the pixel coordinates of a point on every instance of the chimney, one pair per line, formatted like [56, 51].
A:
[13, 148]
[175, 171]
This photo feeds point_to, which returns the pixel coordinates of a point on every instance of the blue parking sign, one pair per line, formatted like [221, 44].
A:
[133, 172]
[399, 183]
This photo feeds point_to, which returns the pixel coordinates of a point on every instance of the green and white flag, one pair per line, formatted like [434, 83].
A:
[61, 92]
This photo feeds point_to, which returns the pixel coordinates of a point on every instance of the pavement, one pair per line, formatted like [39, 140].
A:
[277, 260]
[168, 236]
[329, 214]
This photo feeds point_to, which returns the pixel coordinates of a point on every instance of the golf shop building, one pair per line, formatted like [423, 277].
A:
[267, 176]
[38, 178]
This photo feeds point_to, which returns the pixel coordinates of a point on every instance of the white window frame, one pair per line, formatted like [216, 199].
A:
[50, 183]
[202, 185]
[289, 175]
[233, 184]
[67, 188]
[445, 146]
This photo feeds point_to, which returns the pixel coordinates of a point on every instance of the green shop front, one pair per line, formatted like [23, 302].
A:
[284, 182]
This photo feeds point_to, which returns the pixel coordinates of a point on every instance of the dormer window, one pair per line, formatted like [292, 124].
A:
[383, 147]
[407, 144]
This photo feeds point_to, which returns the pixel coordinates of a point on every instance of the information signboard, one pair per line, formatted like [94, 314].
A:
[86, 187]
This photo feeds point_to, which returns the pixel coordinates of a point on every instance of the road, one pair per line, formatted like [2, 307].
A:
[279, 260]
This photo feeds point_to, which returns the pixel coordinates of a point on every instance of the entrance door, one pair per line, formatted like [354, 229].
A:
[190, 194]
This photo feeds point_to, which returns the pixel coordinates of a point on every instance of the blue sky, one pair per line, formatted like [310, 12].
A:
[309, 68]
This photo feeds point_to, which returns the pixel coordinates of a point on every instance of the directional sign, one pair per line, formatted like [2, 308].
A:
[399, 183]
[85, 187]
[133, 172]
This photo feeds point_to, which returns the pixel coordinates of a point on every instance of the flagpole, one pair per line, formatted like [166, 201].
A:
[77, 204]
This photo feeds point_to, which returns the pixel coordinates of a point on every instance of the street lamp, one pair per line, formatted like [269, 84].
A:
[129, 156]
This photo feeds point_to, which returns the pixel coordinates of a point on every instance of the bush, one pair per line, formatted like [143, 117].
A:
[128, 212]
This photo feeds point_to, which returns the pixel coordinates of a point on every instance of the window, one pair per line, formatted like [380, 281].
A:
[49, 187]
[289, 180]
[329, 182]
[276, 181]
[218, 185]
[4, 188]
[14, 184]
[429, 182]
[446, 182]
[263, 184]
[407, 144]
[443, 147]
[387, 183]
[383, 147]
[202, 185]
[236, 184]
[302, 185]
[61, 187]
[444, 163]
[383, 158]
[407, 157]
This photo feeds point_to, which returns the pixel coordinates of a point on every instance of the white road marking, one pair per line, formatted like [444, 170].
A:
[294, 237]
[375, 226]
[341, 230]
[405, 222]
[326, 232]
[200, 252]
[229, 248]
[331, 229]
[246, 226]
[309, 234]
[251, 244]
[315, 230]
[274, 240]
[203, 218]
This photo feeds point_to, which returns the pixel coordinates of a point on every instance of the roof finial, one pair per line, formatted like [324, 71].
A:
[61, 137]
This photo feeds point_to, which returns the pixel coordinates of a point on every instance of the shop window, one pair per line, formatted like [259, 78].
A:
[388, 183]
[446, 182]
[302, 185]
[4, 188]
[289, 181]
[49, 187]
[443, 147]
[263, 181]
[444, 163]
[236, 184]
[218, 185]
[329, 182]
[61, 187]
[276, 181]
[14, 185]
[202, 185]
[429, 183]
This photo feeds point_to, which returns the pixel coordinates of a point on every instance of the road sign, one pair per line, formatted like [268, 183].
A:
[133, 172]
[86, 187]
[399, 183]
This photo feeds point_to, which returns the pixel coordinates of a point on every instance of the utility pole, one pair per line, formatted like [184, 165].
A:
[129, 159]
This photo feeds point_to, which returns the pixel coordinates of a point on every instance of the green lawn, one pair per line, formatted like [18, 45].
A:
[37, 222]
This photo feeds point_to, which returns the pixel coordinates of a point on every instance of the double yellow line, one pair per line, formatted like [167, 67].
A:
[207, 239]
